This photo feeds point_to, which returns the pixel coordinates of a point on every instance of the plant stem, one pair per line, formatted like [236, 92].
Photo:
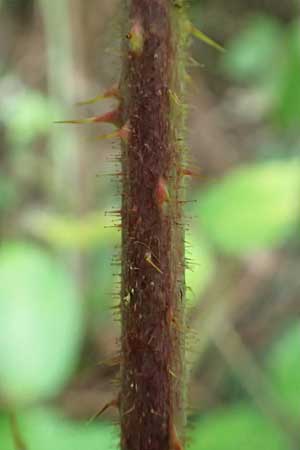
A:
[153, 287]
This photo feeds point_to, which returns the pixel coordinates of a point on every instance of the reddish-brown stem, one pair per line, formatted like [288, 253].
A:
[151, 399]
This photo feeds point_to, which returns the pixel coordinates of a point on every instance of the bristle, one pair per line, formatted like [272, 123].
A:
[148, 258]
[110, 362]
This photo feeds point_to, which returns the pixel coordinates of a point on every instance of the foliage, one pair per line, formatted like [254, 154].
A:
[253, 208]
[264, 56]
[47, 429]
[40, 324]
[240, 427]
[27, 116]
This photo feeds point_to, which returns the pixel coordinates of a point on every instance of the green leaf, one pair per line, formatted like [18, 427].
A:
[71, 232]
[254, 207]
[48, 430]
[27, 115]
[286, 89]
[40, 324]
[284, 368]
[237, 428]
[254, 51]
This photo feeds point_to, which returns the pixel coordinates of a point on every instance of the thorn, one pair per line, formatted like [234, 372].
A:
[192, 62]
[116, 307]
[118, 226]
[136, 38]
[175, 442]
[113, 174]
[172, 373]
[129, 411]
[175, 98]
[110, 362]
[114, 91]
[189, 173]
[161, 192]
[122, 133]
[113, 404]
[203, 37]
[148, 258]
[113, 212]
[109, 117]
[114, 134]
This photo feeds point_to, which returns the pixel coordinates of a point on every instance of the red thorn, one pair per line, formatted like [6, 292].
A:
[124, 132]
[109, 117]
[175, 442]
[161, 192]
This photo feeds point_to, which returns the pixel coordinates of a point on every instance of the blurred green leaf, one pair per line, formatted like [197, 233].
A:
[48, 430]
[286, 90]
[254, 207]
[237, 428]
[266, 55]
[40, 324]
[284, 368]
[253, 53]
[27, 115]
[71, 232]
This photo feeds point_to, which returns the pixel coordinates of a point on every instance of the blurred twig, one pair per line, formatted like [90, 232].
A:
[60, 78]
[16, 433]
[220, 325]
[252, 378]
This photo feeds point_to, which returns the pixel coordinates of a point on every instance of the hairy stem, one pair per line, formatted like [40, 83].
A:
[153, 287]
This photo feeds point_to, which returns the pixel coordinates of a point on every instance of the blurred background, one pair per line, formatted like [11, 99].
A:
[59, 245]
